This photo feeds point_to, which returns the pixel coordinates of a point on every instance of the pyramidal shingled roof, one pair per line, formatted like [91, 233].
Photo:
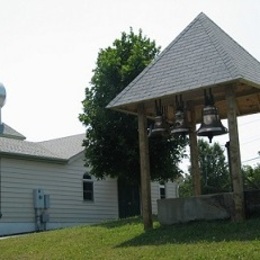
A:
[202, 55]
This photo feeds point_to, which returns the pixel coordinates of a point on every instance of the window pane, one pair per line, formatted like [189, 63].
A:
[87, 196]
[162, 192]
[88, 191]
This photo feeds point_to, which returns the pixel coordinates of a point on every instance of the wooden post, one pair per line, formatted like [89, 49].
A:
[194, 155]
[235, 158]
[145, 169]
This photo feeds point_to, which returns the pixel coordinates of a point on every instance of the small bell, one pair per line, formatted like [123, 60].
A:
[211, 123]
[180, 125]
[160, 127]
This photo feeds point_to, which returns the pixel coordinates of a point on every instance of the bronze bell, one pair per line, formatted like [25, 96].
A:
[180, 126]
[160, 127]
[211, 123]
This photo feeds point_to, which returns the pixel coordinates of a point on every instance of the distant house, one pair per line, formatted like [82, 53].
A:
[45, 185]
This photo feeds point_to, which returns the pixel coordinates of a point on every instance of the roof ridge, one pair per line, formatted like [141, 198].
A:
[214, 39]
[218, 45]
[60, 138]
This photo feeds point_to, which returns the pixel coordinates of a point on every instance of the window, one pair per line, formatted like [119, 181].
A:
[162, 191]
[88, 188]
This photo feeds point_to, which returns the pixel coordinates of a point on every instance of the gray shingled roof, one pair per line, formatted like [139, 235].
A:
[60, 150]
[202, 55]
[65, 147]
[9, 132]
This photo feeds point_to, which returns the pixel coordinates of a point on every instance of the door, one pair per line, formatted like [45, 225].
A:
[128, 199]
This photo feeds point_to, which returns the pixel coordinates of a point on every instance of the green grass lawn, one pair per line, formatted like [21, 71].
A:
[126, 239]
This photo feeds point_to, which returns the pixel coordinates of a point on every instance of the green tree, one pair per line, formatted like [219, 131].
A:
[214, 168]
[111, 144]
[185, 185]
[251, 177]
[215, 176]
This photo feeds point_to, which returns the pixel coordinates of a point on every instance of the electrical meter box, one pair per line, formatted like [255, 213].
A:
[38, 198]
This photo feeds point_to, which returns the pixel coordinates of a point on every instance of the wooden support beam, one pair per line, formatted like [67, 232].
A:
[237, 108]
[258, 101]
[145, 169]
[235, 158]
[194, 154]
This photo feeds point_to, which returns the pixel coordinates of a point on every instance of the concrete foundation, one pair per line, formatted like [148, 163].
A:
[205, 207]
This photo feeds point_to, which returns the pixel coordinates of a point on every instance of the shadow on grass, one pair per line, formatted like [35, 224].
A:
[121, 222]
[195, 232]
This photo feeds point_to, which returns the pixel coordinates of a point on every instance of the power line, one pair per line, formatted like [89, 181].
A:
[252, 159]
[248, 142]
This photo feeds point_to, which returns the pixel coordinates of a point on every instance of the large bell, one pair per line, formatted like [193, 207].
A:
[180, 126]
[211, 124]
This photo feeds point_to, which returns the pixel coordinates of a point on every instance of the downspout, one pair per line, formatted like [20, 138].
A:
[2, 102]
[0, 188]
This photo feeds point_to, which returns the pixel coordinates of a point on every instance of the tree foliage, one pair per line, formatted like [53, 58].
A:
[251, 177]
[111, 144]
[214, 168]
[215, 176]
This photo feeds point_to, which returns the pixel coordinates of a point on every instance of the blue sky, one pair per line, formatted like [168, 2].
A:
[48, 50]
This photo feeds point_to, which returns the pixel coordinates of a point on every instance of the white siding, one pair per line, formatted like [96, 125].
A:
[64, 185]
[155, 195]
[171, 191]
